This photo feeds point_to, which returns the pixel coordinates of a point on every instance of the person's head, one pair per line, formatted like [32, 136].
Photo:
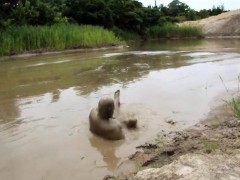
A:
[106, 108]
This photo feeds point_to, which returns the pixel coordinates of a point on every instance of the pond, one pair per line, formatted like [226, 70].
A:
[45, 101]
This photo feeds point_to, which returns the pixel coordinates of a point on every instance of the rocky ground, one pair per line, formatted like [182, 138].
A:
[225, 24]
[208, 150]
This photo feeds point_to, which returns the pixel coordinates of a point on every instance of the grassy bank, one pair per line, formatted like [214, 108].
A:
[57, 37]
[174, 31]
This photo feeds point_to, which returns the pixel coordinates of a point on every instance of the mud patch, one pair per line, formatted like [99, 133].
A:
[218, 135]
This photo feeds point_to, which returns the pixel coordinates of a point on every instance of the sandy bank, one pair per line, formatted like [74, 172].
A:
[225, 24]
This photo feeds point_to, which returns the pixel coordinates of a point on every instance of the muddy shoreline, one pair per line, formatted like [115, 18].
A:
[50, 52]
[217, 137]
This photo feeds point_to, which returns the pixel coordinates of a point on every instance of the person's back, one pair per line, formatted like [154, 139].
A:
[102, 123]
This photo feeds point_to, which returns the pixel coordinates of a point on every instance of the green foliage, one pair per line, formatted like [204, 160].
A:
[174, 31]
[235, 105]
[216, 10]
[152, 16]
[127, 15]
[191, 15]
[24, 13]
[176, 8]
[95, 12]
[56, 37]
[203, 13]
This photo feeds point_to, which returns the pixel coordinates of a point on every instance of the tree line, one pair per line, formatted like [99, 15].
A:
[127, 15]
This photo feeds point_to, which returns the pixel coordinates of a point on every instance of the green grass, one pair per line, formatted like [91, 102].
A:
[235, 105]
[174, 31]
[210, 146]
[57, 37]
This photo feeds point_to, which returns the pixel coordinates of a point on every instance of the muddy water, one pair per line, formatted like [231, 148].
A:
[45, 102]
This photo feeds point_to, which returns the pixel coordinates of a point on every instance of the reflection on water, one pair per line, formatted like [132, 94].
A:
[107, 150]
[8, 111]
[45, 101]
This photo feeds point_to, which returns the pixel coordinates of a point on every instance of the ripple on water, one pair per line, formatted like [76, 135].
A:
[139, 53]
[200, 54]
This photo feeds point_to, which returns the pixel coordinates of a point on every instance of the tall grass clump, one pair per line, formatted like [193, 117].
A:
[235, 105]
[56, 37]
[174, 31]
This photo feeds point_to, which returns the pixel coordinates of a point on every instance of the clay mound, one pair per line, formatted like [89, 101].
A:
[225, 24]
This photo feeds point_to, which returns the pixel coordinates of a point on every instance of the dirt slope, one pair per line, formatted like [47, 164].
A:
[225, 24]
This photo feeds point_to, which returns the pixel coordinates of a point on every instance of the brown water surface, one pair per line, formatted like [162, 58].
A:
[45, 102]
